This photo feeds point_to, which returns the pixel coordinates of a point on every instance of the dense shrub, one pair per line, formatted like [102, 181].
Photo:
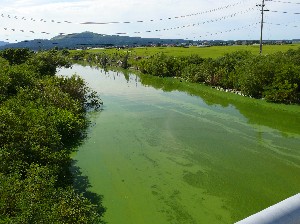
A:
[37, 199]
[273, 77]
[43, 117]
[193, 73]
[193, 59]
[45, 63]
[226, 68]
[162, 65]
[20, 76]
[285, 87]
[255, 74]
[16, 56]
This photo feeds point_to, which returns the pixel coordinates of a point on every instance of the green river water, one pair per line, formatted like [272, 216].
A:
[169, 157]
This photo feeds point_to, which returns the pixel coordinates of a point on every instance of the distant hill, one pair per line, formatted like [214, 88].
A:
[89, 39]
[2, 43]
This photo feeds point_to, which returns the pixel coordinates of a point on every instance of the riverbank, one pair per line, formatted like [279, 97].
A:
[274, 77]
[258, 111]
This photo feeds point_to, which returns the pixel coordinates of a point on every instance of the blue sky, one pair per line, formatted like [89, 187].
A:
[188, 19]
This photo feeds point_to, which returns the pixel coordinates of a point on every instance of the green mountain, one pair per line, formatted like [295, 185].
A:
[2, 43]
[89, 39]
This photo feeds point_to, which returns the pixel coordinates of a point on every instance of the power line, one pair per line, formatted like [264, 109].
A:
[287, 2]
[125, 22]
[24, 31]
[199, 23]
[31, 20]
[169, 18]
[155, 30]
[230, 30]
[285, 12]
[205, 35]
[286, 25]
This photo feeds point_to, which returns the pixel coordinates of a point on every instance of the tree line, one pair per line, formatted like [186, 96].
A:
[274, 77]
[43, 119]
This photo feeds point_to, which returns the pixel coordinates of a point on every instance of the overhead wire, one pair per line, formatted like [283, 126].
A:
[193, 24]
[152, 20]
[278, 12]
[286, 2]
[285, 12]
[169, 18]
[156, 30]
[280, 24]
[201, 36]
[125, 22]
[24, 31]
[230, 30]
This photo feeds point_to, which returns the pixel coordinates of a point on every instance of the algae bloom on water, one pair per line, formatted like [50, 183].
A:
[162, 151]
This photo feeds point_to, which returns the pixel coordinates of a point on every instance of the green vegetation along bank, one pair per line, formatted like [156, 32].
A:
[274, 77]
[43, 118]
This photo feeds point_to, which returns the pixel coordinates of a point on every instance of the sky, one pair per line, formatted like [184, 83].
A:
[189, 19]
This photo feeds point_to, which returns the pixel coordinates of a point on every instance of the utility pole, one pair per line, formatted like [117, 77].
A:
[262, 24]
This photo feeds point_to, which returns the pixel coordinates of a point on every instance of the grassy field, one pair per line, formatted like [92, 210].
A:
[204, 52]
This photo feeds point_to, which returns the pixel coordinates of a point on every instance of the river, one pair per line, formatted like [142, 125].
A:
[171, 157]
